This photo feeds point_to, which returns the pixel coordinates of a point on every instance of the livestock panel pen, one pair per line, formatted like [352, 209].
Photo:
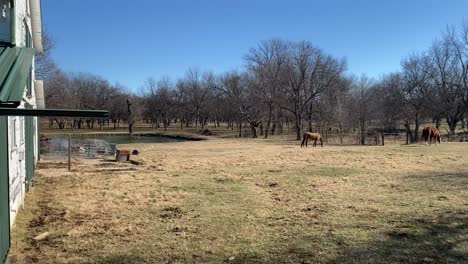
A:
[29, 159]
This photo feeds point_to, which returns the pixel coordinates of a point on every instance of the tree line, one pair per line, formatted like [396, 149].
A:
[284, 84]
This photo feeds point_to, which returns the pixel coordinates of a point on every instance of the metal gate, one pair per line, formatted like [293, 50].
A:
[29, 144]
[4, 191]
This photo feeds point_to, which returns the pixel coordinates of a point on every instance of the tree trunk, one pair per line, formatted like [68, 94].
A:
[197, 118]
[416, 129]
[130, 117]
[408, 132]
[363, 132]
[310, 118]
[268, 121]
[452, 123]
[298, 125]
[240, 128]
[254, 131]
[437, 123]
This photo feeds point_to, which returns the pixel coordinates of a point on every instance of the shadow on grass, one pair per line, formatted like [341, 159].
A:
[442, 239]
[122, 259]
[444, 181]
[418, 238]
[438, 238]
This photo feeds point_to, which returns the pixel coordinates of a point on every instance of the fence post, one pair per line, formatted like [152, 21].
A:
[69, 152]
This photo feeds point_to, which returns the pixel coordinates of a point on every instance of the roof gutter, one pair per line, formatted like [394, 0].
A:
[36, 24]
[52, 112]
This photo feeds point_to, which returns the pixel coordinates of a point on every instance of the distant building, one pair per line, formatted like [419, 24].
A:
[20, 38]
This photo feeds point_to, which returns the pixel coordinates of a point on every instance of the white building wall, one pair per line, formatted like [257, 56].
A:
[16, 125]
[17, 165]
[22, 15]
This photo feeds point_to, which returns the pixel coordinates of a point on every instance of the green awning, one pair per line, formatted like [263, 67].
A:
[15, 68]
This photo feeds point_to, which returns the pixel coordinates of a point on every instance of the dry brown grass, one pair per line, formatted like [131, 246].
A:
[252, 201]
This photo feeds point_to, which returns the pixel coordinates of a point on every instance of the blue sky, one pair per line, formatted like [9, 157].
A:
[129, 41]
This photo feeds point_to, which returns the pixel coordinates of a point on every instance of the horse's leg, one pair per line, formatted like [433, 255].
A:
[307, 141]
[315, 143]
[321, 142]
[302, 144]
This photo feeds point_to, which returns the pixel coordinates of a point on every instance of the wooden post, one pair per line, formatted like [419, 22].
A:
[69, 152]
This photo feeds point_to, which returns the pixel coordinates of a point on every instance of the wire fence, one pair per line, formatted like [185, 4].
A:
[368, 139]
[59, 147]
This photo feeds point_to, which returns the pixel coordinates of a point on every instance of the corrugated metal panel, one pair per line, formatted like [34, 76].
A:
[15, 68]
[4, 191]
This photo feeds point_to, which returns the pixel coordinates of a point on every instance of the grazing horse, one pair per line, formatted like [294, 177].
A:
[311, 136]
[431, 133]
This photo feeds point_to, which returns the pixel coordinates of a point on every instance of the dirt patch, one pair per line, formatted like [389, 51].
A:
[171, 212]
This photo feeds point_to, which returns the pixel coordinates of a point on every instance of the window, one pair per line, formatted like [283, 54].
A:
[28, 43]
[21, 129]
[12, 134]
[28, 36]
[6, 22]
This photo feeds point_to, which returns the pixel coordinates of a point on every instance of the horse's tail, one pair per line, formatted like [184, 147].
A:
[321, 141]
[303, 140]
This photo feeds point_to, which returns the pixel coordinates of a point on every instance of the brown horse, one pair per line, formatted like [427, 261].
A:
[431, 133]
[311, 136]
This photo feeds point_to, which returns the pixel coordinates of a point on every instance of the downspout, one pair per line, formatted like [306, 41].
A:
[36, 24]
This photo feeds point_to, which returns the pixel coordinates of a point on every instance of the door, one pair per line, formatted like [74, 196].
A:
[4, 191]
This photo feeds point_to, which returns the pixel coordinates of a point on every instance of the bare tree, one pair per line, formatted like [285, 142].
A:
[416, 91]
[361, 95]
[232, 86]
[267, 63]
[44, 64]
[389, 101]
[309, 73]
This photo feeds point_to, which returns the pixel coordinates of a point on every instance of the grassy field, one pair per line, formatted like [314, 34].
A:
[251, 201]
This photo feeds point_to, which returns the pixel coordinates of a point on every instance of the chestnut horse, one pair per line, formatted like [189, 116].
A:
[311, 136]
[431, 133]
